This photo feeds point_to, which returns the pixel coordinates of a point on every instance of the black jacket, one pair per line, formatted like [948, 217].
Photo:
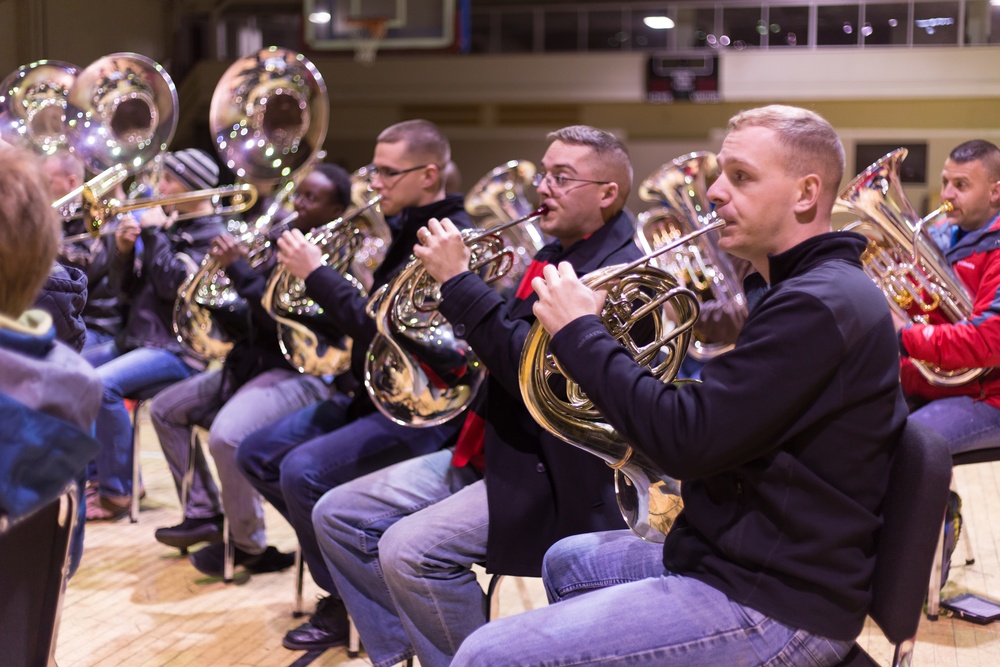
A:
[150, 282]
[63, 297]
[103, 311]
[539, 488]
[784, 448]
[346, 307]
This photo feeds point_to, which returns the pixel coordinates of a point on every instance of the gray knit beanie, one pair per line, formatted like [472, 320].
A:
[193, 167]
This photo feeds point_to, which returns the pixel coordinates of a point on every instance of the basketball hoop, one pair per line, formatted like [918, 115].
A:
[370, 33]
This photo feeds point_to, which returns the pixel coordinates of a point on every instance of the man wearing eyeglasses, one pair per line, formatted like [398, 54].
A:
[400, 543]
[296, 459]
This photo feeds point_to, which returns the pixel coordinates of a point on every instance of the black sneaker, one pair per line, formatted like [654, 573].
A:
[190, 532]
[211, 560]
[326, 628]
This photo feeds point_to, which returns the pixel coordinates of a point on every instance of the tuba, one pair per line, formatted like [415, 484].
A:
[903, 259]
[416, 371]
[680, 187]
[344, 242]
[121, 113]
[273, 103]
[499, 197]
[33, 101]
[637, 294]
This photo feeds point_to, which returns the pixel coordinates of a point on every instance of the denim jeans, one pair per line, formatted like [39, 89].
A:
[666, 619]
[296, 459]
[967, 424]
[198, 401]
[124, 374]
[351, 523]
[95, 338]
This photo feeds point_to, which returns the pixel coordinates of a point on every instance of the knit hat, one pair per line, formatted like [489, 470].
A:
[192, 167]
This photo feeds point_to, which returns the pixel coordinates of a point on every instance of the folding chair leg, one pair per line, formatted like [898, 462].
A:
[230, 552]
[354, 640]
[934, 587]
[493, 597]
[297, 610]
[133, 512]
[188, 479]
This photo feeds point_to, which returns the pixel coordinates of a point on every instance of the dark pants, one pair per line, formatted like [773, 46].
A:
[296, 459]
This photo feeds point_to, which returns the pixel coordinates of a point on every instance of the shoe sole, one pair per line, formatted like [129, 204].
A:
[303, 646]
[185, 542]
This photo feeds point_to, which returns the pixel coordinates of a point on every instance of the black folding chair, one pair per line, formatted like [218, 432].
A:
[913, 515]
[34, 565]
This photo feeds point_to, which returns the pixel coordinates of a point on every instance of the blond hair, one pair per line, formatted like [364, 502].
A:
[811, 142]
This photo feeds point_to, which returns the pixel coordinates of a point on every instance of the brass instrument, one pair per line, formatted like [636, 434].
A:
[648, 499]
[297, 315]
[257, 112]
[681, 188]
[903, 259]
[33, 102]
[414, 341]
[121, 112]
[499, 197]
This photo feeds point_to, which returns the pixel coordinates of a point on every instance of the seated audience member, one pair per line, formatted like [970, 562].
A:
[401, 542]
[255, 386]
[784, 448]
[63, 297]
[49, 396]
[298, 458]
[146, 353]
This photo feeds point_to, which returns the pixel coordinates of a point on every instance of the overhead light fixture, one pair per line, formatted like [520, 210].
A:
[659, 22]
[320, 17]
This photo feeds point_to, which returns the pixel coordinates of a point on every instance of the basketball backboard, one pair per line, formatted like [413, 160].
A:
[349, 25]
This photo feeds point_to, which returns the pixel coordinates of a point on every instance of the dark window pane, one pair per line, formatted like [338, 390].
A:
[605, 31]
[642, 36]
[693, 28]
[788, 26]
[935, 23]
[994, 25]
[741, 27]
[479, 26]
[562, 31]
[516, 32]
[886, 24]
[837, 25]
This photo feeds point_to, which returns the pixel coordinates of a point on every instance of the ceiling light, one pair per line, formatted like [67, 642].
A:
[319, 17]
[659, 22]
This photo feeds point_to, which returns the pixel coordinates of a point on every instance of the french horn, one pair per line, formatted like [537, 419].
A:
[417, 372]
[902, 258]
[300, 319]
[681, 187]
[637, 296]
[502, 195]
[269, 117]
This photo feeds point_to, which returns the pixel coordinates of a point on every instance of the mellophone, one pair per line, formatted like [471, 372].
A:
[119, 114]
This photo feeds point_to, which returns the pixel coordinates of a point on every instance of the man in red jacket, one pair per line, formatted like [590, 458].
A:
[967, 415]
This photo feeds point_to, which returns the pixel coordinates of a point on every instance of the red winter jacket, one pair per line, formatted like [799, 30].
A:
[975, 343]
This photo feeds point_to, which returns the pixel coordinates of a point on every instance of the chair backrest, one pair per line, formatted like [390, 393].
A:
[913, 512]
[34, 562]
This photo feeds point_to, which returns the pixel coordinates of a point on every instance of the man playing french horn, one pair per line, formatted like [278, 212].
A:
[784, 447]
[296, 459]
[255, 386]
[401, 542]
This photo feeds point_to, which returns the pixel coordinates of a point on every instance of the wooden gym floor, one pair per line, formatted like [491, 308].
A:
[136, 602]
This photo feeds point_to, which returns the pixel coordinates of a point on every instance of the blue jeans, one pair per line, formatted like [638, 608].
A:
[95, 338]
[296, 459]
[124, 374]
[270, 395]
[966, 424]
[384, 524]
[664, 619]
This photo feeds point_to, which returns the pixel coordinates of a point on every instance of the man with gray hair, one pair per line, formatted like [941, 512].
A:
[784, 447]
[400, 543]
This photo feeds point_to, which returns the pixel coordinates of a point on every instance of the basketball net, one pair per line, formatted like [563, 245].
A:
[371, 32]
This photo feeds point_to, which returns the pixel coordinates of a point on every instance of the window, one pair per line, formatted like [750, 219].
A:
[886, 24]
[837, 25]
[935, 23]
[788, 26]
